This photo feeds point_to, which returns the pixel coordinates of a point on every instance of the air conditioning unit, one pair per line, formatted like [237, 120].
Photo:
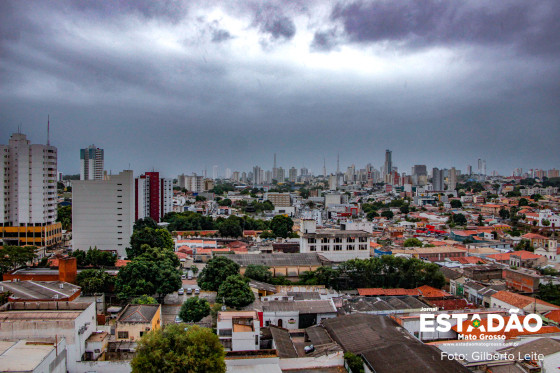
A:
[61, 286]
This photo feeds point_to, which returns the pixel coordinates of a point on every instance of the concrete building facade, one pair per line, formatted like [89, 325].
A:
[91, 163]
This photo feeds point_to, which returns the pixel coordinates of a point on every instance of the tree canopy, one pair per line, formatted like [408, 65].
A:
[151, 237]
[146, 222]
[178, 349]
[15, 256]
[144, 299]
[235, 292]
[95, 281]
[215, 273]
[153, 273]
[282, 226]
[194, 309]
[459, 219]
[95, 258]
[65, 216]
[412, 242]
[456, 204]
[258, 272]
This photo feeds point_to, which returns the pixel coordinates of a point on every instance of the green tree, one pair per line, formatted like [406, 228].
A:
[154, 273]
[550, 293]
[95, 281]
[258, 272]
[231, 227]
[65, 217]
[236, 292]
[405, 209]
[151, 237]
[371, 214]
[225, 202]
[456, 204]
[355, 363]
[15, 256]
[523, 202]
[504, 214]
[194, 309]
[545, 223]
[146, 222]
[459, 219]
[480, 221]
[387, 214]
[215, 273]
[524, 244]
[412, 242]
[144, 299]
[178, 349]
[281, 226]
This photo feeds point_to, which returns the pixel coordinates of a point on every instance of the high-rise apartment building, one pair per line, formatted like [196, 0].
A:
[293, 175]
[452, 179]
[437, 179]
[469, 170]
[28, 174]
[281, 175]
[103, 213]
[153, 196]
[257, 180]
[388, 167]
[91, 163]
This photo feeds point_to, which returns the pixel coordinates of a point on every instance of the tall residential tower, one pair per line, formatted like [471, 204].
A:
[91, 163]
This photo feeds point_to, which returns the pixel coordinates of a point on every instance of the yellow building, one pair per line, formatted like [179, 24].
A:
[136, 320]
[39, 235]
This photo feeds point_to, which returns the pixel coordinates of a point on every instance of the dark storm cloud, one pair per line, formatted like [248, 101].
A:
[272, 21]
[532, 27]
[324, 40]
[181, 88]
[167, 10]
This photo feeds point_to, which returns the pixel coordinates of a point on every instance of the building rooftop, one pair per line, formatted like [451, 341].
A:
[138, 313]
[39, 290]
[278, 259]
[302, 306]
[518, 300]
[23, 356]
[283, 342]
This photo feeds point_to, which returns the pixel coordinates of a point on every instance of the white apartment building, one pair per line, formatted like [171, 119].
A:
[91, 163]
[103, 213]
[28, 176]
[239, 330]
[336, 245]
[192, 183]
[154, 196]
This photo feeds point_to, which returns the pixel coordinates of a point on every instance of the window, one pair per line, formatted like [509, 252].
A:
[362, 239]
[362, 247]
[337, 247]
[311, 240]
[350, 239]
[312, 248]
[338, 240]
[324, 240]
[122, 335]
[325, 248]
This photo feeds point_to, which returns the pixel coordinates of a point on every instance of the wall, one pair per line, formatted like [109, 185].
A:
[332, 360]
[102, 367]
[286, 316]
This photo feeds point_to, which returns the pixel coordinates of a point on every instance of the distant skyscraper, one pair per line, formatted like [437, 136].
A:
[274, 169]
[28, 174]
[293, 175]
[281, 176]
[388, 167]
[469, 170]
[268, 177]
[452, 179]
[91, 163]
[228, 173]
[257, 180]
[215, 172]
[437, 179]
[324, 168]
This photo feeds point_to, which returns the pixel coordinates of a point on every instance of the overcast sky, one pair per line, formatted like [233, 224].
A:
[180, 86]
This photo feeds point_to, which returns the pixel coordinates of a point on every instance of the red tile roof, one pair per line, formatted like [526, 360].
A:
[373, 292]
[509, 335]
[518, 300]
[431, 292]
[121, 262]
[533, 236]
[468, 260]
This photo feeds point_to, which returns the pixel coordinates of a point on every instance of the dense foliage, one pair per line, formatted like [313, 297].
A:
[95, 281]
[386, 272]
[194, 309]
[65, 217]
[15, 256]
[258, 272]
[412, 242]
[235, 292]
[149, 237]
[215, 273]
[154, 273]
[95, 258]
[178, 349]
[281, 226]
[144, 299]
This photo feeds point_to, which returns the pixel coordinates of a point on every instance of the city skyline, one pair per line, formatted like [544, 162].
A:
[187, 87]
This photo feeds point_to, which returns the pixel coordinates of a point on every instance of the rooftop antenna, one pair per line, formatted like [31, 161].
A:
[337, 163]
[48, 130]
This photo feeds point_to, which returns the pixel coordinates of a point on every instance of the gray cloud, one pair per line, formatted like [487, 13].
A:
[181, 90]
[530, 26]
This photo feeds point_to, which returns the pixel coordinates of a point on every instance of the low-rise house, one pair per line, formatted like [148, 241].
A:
[297, 314]
[483, 272]
[40, 291]
[509, 300]
[136, 320]
[433, 254]
[239, 330]
[523, 280]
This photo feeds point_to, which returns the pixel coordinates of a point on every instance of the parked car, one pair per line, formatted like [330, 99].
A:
[189, 291]
[184, 277]
[197, 291]
[178, 320]
[190, 276]
[181, 291]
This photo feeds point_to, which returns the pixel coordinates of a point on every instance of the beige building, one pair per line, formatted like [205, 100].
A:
[279, 199]
[136, 320]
